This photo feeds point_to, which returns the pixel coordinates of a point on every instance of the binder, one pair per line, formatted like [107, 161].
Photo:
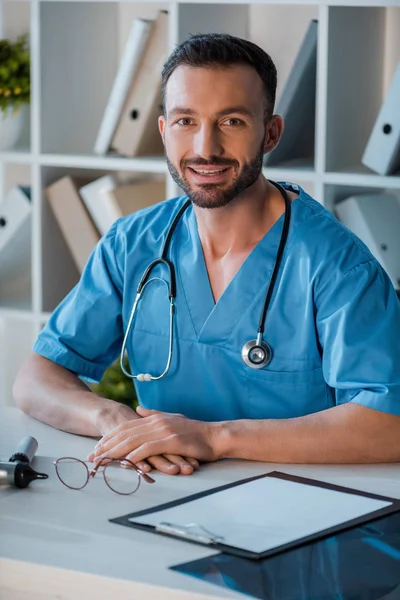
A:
[15, 246]
[15, 211]
[375, 219]
[297, 105]
[137, 131]
[77, 227]
[130, 61]
[382, 152]
[261, 516]
[107, 202]
[140, 194]
[96, 199]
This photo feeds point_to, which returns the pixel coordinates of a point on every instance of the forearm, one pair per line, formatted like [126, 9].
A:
[56, 396]
[344, 434]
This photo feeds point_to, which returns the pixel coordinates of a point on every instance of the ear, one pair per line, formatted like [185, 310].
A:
[273, 132]
[161, 127]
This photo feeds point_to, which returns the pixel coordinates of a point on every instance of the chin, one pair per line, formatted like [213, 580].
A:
[204, 199]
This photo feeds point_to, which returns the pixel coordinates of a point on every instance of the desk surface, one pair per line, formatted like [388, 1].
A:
[58, 543]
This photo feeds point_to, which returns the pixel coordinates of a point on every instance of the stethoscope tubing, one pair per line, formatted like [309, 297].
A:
[258, 344]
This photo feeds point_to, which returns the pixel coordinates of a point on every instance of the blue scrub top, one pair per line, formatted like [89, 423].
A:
[333, 323]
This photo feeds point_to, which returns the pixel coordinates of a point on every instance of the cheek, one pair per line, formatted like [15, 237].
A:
[177, 145]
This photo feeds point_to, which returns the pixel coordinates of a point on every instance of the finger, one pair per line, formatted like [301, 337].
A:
[164, 465]
[119, 429]
[184, 465]
[122, 446]
[146, 412]
[195, 463]
[144, 465]
[104, 445]
[155, 447]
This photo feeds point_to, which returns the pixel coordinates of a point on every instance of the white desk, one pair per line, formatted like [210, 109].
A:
[58, 543]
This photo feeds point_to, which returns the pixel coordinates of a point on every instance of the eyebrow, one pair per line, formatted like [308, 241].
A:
[226, 111]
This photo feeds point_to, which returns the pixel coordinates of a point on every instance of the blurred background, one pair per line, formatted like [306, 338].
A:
[79, 147]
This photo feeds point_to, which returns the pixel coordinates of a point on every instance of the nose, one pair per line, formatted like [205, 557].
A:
[206, 142]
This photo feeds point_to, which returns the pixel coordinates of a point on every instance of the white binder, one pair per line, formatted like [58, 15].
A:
[15, 245]
[382, 153]
[375, 219]
[130, 61]
[99, 203]
[15, 210]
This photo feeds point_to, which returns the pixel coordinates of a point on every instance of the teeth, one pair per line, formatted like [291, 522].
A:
[208, 172]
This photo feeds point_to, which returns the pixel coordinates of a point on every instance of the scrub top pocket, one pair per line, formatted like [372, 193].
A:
[285, 394]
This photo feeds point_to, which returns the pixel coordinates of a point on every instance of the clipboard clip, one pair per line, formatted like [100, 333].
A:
[189, 532]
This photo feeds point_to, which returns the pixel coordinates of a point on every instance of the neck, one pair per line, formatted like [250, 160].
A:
[239, 226]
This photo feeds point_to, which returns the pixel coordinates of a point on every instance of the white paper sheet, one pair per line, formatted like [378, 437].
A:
[266, 513]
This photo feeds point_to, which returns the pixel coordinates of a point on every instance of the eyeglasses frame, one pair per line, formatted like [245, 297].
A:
[92, 473]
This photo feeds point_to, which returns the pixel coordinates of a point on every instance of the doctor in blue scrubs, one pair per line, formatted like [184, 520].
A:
[265, 330]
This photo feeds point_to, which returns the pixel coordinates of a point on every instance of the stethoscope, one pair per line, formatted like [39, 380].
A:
[256, 353]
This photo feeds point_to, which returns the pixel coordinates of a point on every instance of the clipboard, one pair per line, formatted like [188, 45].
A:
[329, 509]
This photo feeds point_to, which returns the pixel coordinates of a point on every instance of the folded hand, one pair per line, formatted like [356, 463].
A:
[158, 433]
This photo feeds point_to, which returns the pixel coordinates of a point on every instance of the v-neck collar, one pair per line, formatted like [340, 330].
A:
[214, 322]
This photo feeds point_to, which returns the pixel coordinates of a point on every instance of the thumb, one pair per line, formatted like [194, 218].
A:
[146, 412]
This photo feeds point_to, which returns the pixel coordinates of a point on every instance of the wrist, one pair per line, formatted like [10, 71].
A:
[110, 414]
[223, 436]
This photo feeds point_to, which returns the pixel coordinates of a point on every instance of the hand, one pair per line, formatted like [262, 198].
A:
[110, 420]
[160, 433]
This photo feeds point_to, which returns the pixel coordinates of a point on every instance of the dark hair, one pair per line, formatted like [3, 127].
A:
[222, 50]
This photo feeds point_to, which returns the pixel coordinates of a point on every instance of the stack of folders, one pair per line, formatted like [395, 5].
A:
[85, 210]
[15, 245]
[382, 153]
[129, 126]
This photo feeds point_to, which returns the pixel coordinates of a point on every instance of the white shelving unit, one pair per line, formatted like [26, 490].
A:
[75, 48]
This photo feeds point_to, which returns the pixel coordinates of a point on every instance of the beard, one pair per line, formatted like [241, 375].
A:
[210, 195]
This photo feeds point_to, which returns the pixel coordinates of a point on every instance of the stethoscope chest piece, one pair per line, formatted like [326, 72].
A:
[256, 354]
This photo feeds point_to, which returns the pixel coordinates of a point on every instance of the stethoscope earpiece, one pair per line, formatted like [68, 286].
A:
[256, 354]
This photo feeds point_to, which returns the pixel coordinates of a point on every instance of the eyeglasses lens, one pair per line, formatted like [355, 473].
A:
[73, 473]
[121, 479]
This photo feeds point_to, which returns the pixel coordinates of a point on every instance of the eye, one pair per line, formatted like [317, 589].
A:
[234, 121]
[184, 121]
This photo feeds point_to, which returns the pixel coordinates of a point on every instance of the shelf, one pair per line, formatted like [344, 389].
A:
[362, 179]
[145, 164]
[20, 156]
[23, 312]
[337, 191]
[357, 78]
[76, 49]
[295, 173]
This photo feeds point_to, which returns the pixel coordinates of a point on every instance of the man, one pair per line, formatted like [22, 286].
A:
[331, 391]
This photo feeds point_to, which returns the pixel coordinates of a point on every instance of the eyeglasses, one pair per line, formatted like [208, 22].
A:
[75, 474]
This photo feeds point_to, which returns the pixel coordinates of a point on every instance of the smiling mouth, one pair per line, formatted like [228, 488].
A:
[208, 172]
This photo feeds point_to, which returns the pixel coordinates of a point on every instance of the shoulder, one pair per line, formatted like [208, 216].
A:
[329, 245]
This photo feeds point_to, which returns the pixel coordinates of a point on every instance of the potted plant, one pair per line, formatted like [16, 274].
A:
[117, 386]
[14, 89]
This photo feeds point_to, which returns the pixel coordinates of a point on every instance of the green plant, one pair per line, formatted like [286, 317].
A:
[117, 386]
[14, 73]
